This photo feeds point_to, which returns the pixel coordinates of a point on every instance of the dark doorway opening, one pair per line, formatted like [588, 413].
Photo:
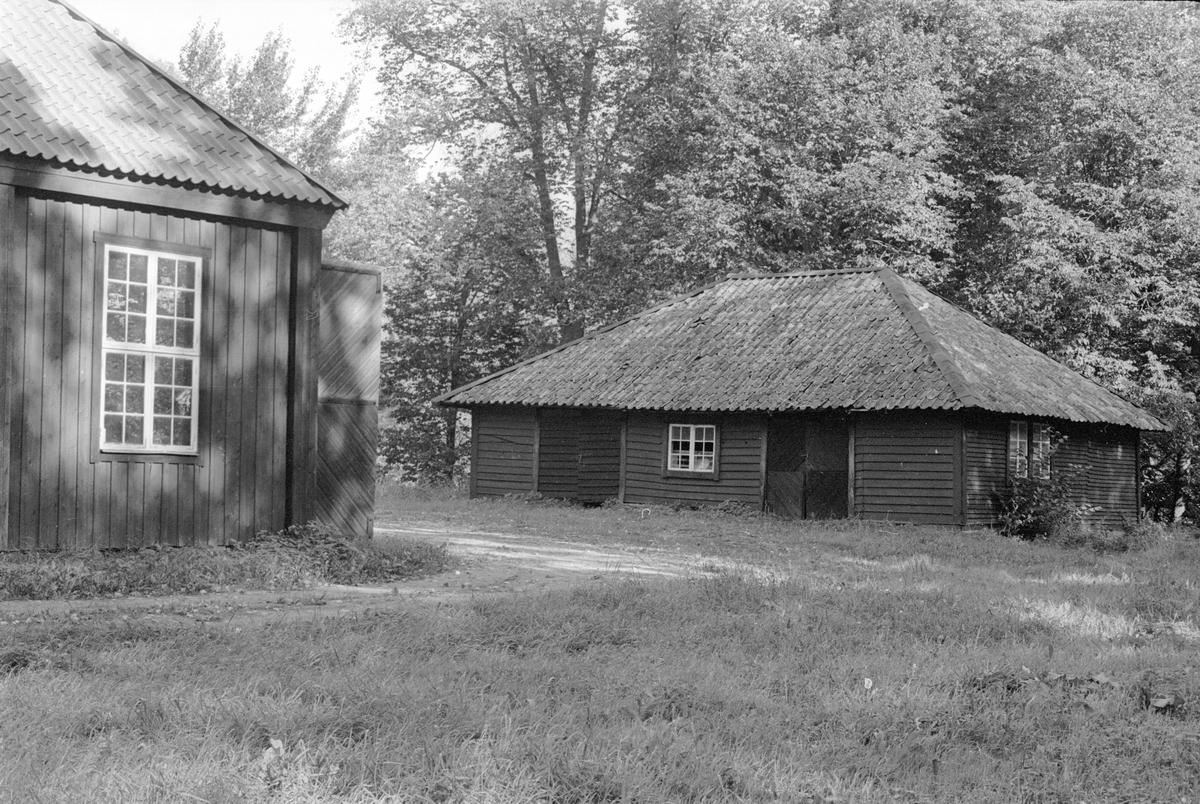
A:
[808, 466]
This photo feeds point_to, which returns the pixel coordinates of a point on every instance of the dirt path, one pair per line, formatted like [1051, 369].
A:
[487, 562]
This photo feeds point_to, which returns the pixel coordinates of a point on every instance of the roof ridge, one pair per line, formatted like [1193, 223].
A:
[193, 95]
[792, 274]
[951, 373]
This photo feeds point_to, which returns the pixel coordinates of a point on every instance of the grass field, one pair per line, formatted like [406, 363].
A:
[847, 663]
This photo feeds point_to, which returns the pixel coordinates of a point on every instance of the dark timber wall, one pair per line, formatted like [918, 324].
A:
[740, 461]
[503, 448]
[1112, 478]
[1097, 464]
[906, 467]
[61, 493]
[987, 468]
[599, 456]
[558, 453]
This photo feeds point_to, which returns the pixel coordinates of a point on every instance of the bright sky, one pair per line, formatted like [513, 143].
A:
[158, 28]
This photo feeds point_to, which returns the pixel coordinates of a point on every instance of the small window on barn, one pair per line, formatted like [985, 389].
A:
[150, 352]
[1029, 449]
[692, 448]
[1039, 451]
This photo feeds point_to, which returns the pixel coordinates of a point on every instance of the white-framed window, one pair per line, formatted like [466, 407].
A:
[692, 448]
[150, 352]
[1029, 449]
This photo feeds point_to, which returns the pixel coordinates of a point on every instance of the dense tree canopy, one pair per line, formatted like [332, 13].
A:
[1036, 163]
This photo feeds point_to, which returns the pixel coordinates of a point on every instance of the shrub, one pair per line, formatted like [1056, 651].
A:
[337, 560]
[1036, 508]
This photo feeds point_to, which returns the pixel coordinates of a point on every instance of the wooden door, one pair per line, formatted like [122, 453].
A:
[558, 453]
[599, 457]
[785, 466]
[808, 467]
[826, 470]
[351, 315]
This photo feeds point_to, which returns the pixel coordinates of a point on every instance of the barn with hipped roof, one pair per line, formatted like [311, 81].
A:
[815, 395]
[179, 366]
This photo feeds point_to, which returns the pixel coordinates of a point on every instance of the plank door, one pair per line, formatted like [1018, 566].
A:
[351, 316]
[785, 466]
[599, 457]
[826, 468]
[807, 467]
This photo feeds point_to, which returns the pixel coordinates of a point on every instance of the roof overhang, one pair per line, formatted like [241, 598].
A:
[36, 174]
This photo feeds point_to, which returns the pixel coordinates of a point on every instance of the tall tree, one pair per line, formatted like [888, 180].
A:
[305, 121]
[549, 85]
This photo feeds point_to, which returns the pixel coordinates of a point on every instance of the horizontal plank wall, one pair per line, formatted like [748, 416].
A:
[740, 462]
[1070, 462]
[904, 467]
[60, 494]
[503, 450]
[986, 467]
[599, 455]
[558, 453]
[1112, 477]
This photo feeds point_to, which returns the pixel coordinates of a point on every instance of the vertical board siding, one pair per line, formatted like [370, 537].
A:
[558, 453]
[599, 456]
[60, 496]
[503, 444]
[739, 472]
[905, 468]
[8, 281]
[987, 470]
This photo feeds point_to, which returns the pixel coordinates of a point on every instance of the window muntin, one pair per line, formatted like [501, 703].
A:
[1029, 449]
[151, 351]
[692, 448]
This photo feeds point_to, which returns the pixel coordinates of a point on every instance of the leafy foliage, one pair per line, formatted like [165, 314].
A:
[304, 122]
[1036, 508]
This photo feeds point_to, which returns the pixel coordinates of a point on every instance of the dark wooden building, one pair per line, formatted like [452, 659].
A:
[178, 365]
[816, 395]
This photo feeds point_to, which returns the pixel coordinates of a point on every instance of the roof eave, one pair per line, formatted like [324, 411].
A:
[338, 202]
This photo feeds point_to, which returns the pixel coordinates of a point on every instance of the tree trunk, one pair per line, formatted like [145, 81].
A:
[584, 215]
[569, 328]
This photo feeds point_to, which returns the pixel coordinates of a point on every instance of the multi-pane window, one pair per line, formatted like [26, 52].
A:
[1029, 450]
[151, 351]
[693, 448]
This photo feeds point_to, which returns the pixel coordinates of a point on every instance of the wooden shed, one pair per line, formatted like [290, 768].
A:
[178, 365]
[814, 395]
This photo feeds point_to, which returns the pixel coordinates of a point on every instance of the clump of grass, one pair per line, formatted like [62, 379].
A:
[294, 558]
[329, 558]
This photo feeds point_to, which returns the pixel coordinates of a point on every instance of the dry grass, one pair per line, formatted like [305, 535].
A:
[873, 665]
[295, 558]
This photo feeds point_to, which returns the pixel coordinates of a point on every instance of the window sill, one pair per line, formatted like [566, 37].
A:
[107, 456]
[682, 473]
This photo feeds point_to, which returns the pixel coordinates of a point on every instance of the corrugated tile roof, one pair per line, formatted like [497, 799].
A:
[72, 94]
[859, 340]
